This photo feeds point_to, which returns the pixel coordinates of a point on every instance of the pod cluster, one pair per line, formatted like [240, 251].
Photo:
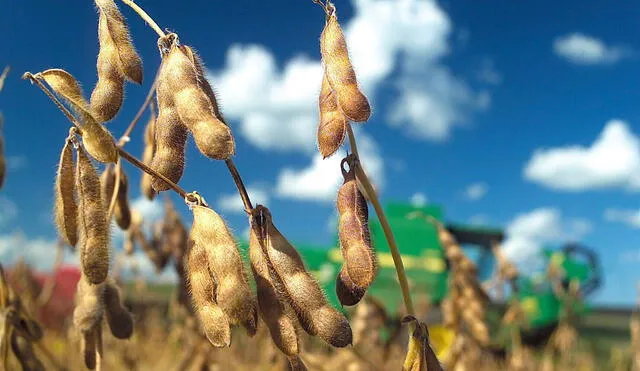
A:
[468, 301]
[288, 296]
[360, 266]
[186, 104]
[420, 356]
[220, 291]
[340, 99]
[117, 61]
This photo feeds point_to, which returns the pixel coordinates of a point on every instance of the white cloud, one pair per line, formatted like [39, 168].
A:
[418, 199]
[582, 49]
[38, 252]
[17, 162]
[612, 161]
[528, 232]
[8, 211]
[628, 217]
[488, 73]
[140, 263]
[233, 203]
[277, 107]
[476, 191]
[150, 211]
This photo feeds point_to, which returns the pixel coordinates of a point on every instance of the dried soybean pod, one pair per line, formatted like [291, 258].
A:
[97, 140]
[89, 344]
[122, 210]
[106, 98]
[147, 156]
[203, 82]
[128, 60]
[339, 71]
[92, 222]
[89, 308]
[118, 317]
[233, 294]
[213, 320]
[355, 241]
[296, 364]
[420, 356]
[65, 206]
[281, 323]
[302, 291]
[107, 184]
[23, 351]
[212, 136]
[348, 292]
[333, 124]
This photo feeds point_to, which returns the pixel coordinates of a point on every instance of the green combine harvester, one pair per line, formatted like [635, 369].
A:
[428, 269]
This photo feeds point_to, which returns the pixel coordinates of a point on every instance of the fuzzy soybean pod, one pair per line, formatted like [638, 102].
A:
[147, 157]
[89, 308]
[348, 292]
[280, 320]
[355, 241]
[118, 317]
[333, 124]
[122, 210]
[92, 222]
[301, 290]
[339, 71]
[202, 80]
[233, 294]
[65, 206]
[213, 320]
[170, 136]
[420, 356]
[97, 140]
[212, 136]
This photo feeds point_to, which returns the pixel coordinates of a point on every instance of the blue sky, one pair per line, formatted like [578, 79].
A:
[519, 115]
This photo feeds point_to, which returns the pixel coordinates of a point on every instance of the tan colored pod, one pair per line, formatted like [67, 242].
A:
[233, 294]
[279, 319]
[353, 228]
[128, 60]
[92, 222]
[89, 308]
[147, 157]
[332, 129]
[212, 136]
[118, 317]
[348, 292]
[213, 320]
[203, 82]
[122, 210]
[302, 291]
[65, 206]
[339, 72]
[97, 140]
[420, 356]
[106, 98]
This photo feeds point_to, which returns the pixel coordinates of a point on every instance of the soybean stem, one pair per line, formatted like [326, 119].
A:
[125, 136]
[240, 185]
[393, 247]
[124, 154]
[145, 17]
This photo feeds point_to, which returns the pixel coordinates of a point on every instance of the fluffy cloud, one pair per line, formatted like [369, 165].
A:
[321, 179]
[612, 161]
[418, 199]
[528, 232]
[628, 217]
[476, 191]
[8, 211]
[38, 252]
[233, 203]
[581, 49]
[17, 162]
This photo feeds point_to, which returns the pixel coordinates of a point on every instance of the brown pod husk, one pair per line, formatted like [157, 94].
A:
[233, 294]
[280, 319]
[147, 157]
[23, 351]
[348, 292]
[301, 290]
[65, 206]
[89, 344]
[355, 240]
[97, 140]
[118, 317]
[339, 72]
[195, 109]
[89, 309]
[332, 129]
[122, 210]
[213, 320]
[92, 222]
[420, 356]
[170, 136]
[203, 82]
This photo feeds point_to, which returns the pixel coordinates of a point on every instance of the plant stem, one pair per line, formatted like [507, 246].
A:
[125, 136]
[124, 154]
[145, 17]
[384, 223]
[240, 185]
